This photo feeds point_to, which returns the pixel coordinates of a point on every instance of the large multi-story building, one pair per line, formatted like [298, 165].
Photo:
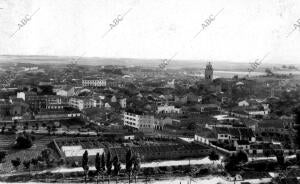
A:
[114, 83]
[66, 91]
[81, 102]
[14, 107]
[34, 101]
[144, 123]
[94, 82]
[55, 102]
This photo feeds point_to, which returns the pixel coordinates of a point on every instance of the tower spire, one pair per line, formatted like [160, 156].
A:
[209, 72]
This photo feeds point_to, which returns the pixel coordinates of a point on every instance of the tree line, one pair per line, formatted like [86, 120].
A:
[106, 165]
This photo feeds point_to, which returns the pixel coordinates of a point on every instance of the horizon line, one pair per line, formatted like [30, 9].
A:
[126, 58]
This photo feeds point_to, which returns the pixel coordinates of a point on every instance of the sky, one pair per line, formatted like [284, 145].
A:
[238, 31]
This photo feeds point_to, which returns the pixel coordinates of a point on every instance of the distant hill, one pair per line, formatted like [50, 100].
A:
[174, 64]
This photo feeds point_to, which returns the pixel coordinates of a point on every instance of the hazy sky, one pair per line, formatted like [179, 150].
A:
[243, 31]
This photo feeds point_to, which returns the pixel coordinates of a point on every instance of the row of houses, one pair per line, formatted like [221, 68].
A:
[81, 103]
[38, 102]
[99, 82]
[252, 136]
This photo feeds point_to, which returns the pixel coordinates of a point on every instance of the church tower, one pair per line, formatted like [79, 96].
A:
[209, 72]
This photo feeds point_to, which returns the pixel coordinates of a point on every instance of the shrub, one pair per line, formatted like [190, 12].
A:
[34, 161]
[16, 162]
[23, 141]
[2, 155]
[26, 164]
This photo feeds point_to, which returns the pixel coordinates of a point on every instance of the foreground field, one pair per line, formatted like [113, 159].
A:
[6, 142]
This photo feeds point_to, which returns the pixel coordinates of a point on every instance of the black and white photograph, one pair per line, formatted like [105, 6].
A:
[150, 91]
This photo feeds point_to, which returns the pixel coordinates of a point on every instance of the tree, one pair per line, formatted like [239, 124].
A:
[268, 71]
[16, 163]
[297, 125]
[46, 155]
[136, 166]
[102, 168]
[242, 157]
[280, 159]
[34, 161]
[298, 158]
[117, 167]
[129, 164]
[191, 126]
[234, 160]
[2, 155]
[266, 153]
[26, 164]
[231, 163]
[23, 141]
[213, 156]
[61, 162]
[49, 130]
[108, 164]
[235, 77]
[84, 164]
[98, 165]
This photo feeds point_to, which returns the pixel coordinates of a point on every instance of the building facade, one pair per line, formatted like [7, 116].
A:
[143, 123]
[166, 109]
[94, 82]
[81, 103]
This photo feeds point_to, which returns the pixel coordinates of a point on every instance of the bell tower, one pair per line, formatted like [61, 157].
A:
[209, 72]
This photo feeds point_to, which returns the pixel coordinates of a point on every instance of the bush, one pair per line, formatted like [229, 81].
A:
[2, 155]
[34, 161]
[16, 162]
[26, 164]
[23, 141]
[204, 171]
[61, 162]
[234, 160]
[213, 156]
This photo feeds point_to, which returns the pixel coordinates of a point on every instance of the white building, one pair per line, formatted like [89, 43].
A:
[144, 123]
[161, 122]
[132, 120]
[81, 102]
[21, 95]
[33, 68]
[166, 109]
[253, 113]
[94, 82]
[243, 103]
[97, 102]
[123, 103]
[78, 151]
[66, 91]
[53, 102]
[170, 84]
